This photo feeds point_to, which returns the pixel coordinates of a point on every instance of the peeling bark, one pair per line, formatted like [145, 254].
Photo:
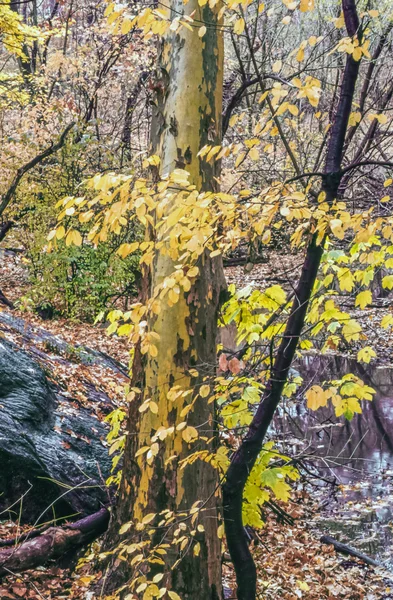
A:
[187, 115]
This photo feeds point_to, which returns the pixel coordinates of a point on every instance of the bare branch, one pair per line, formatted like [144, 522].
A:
[30, 165]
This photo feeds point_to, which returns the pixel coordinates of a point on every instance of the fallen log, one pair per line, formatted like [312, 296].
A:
[55, 542]
[348, 550]
[33, 533]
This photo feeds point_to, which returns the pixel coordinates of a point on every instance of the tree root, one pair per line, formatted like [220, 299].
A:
[55, 542]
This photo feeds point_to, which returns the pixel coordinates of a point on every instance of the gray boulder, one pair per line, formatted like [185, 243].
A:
[53, 457]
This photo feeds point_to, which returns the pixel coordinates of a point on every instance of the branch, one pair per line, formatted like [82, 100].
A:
[30, 165]
[367, 80]
[269, 102]
[314, 174]
[235, 100]
[366, 163]
[348, 551]
[55, 542]
[243, 460]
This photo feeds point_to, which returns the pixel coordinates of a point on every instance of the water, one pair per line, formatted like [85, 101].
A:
[357, 455]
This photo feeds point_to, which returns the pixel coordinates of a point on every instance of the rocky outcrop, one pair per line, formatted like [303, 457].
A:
[53, 455]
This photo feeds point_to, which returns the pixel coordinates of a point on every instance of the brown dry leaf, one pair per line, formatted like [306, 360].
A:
[223, 362]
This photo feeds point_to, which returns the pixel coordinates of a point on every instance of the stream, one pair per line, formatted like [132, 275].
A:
[357, 454]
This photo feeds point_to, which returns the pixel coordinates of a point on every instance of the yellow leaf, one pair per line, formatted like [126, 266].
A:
[69, 238]
[109, 9]
[202, 30]
[253, 154]
[76, 238]
[204, 391]
[239, 26]
[193, 272]
[126, 249]
[354, 118]
[152, 591]
[190, 434]
[174, 596]
[300, 55]
[142, 450]
[340, 22]
[148, 518]
[60, 232]
[345, 279]
[347, 407]
[306, 5]
[153, 407]
[124, 528]
[351, 330]
[363, 299]
[388, 182]
[126, 26]
[357, 53]
[293, 109]
[366, 354]
[387, 282]
[386, 321]
[277, 66]
[316, 397]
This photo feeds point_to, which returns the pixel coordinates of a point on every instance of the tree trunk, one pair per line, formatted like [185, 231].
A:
[187, 116]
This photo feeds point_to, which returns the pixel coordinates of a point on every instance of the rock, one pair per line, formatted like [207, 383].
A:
[75, 352]
[52, 450]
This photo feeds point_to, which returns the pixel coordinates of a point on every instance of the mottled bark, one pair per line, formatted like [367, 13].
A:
[187, 115]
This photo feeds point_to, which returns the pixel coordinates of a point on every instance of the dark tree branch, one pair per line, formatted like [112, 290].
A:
[348, 551]
[236, 98]
[6, 199]
[366, 163]
[244, 458]
[234, 101]
[303, 175]
[4, 300]
[130, 107]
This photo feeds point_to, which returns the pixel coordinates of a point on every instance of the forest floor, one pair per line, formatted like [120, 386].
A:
[291, 564]
[291, 561]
